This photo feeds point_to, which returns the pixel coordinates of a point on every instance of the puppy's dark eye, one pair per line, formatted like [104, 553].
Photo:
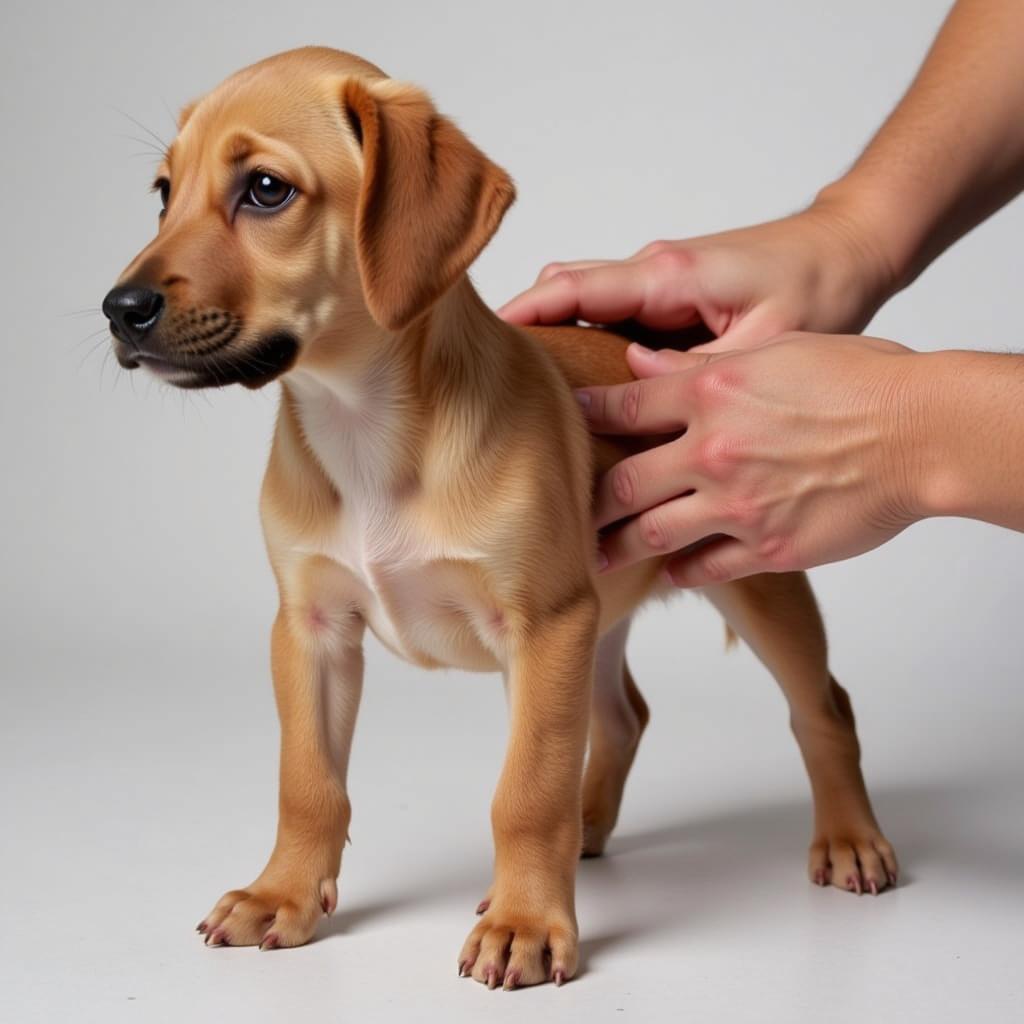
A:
[163, 186]
[267, 192]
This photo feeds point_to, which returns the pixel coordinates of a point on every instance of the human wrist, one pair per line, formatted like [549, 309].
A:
[877, 251]
[970, 435]
[950, 414]
[922, 441]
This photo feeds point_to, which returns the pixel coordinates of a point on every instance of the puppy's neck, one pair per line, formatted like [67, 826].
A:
[371, 401]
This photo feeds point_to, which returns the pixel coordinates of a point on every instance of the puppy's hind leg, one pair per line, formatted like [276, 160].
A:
[619, 716]
[778, 618]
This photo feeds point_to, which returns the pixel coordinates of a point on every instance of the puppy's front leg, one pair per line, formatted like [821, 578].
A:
[318, 675]
[528, 933]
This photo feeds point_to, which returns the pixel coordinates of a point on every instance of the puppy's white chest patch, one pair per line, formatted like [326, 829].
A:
[418, 596]
[418, 592]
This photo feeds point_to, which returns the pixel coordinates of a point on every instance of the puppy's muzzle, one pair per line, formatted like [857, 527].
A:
[193, 347]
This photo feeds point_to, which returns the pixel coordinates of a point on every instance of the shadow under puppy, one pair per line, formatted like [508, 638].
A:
[431, 479]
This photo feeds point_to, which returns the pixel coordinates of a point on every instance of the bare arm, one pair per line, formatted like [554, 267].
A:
[950, 154]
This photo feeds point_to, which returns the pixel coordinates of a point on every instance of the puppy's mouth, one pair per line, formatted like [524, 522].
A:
[251, 364]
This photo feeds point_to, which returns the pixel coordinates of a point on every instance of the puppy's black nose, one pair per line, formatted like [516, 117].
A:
[132, 311]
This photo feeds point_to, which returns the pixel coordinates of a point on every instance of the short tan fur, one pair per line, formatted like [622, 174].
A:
[431, 479]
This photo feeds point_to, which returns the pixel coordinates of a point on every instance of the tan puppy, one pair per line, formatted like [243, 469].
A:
[430, 478]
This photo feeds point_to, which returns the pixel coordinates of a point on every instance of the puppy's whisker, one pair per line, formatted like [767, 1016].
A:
[103, 370]
[77, 313]
[150, 147]
[91, 336]
[164, 147]
[91, 352]
[170, 114]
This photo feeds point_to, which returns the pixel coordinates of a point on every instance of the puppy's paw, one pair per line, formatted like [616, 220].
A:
[598, 823]
[269, 916]
[602, 796]
[513, 950]
[855, 860]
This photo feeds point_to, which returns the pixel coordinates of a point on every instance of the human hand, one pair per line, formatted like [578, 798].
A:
[816, 270]
[802, 451]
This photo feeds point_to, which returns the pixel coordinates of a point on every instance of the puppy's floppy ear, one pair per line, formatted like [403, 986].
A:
[428, 203]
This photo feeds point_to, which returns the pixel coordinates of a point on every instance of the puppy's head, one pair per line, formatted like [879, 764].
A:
[304, 190]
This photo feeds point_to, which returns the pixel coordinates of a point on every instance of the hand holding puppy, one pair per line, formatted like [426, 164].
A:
[793, 454]
[806, 450]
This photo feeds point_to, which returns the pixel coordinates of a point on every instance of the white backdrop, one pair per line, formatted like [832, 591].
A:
[138, 740]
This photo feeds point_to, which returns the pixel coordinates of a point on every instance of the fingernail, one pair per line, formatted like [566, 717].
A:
[642, 350]
[583, 397]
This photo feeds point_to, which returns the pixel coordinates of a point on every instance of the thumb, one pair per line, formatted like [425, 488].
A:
[646, 362]
[749, 331]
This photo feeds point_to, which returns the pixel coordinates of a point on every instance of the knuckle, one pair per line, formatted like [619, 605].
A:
[655, 247]
[653, 531]
[776, 551]
[711, 382]
[716, 455]
[549, 270]
[567, 278]
[712, 570]
[632, 402]
[625, 484]
[672, 261]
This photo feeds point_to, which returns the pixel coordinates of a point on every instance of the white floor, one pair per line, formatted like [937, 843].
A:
[131, 803]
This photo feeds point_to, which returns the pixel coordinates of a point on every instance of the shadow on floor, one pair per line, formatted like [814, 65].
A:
[719, 864]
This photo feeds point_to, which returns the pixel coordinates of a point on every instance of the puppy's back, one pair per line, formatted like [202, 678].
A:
[586, 355]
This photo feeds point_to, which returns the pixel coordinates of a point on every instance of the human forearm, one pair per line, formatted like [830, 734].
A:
[952, 152]
[970, 436]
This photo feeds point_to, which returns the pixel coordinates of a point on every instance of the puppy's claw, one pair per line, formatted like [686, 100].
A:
[559, 978]
[463, 973]
[328, 897]
[511, 981]
[269, 942]
[481, 907]
[873, 886]
[201, 927]
[853, 884]
[492, 977]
